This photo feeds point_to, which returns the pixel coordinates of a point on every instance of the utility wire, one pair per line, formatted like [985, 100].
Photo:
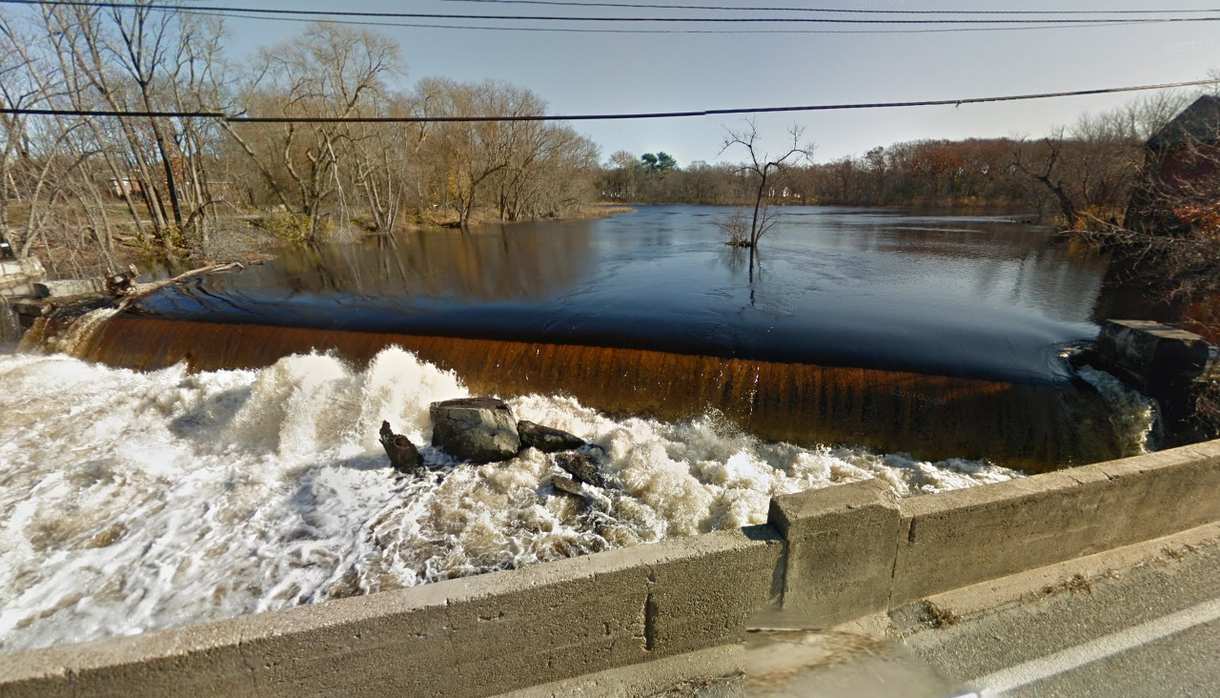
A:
[585, 30]
[571, 18]
[834, 10]
[605, 117]
[120, 114]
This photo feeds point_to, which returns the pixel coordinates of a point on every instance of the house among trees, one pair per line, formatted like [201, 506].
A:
[130, 186]
[1179, 161]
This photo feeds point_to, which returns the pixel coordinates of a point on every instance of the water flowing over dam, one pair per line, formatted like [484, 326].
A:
[937, 336]
[1035, 426]
[213, 450]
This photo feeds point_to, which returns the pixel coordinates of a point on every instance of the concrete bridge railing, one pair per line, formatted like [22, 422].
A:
[825, 556]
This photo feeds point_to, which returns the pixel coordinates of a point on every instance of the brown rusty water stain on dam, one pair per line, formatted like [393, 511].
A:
[1032, 427]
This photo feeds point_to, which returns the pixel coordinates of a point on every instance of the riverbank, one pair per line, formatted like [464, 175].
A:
[425, 220]
[238, 236]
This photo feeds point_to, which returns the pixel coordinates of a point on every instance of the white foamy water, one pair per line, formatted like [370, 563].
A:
[1133, 414]
[133, 501]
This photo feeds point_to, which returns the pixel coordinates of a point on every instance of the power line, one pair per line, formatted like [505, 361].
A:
[609, 117]
[571, 18]
[120, 114]
[583, 30]
[833, 10]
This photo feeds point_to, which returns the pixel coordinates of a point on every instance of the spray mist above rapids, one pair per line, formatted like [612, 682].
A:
[180, 497]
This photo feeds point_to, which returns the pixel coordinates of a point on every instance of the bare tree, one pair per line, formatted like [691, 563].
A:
[761, 167]
[84, 192]
[1048, 173]
[383, 159]
[17, 91]
[332, 71]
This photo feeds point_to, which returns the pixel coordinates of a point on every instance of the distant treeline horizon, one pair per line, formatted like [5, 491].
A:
[1089, 168]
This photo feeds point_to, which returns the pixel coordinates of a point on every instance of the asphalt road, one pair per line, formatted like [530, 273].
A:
[1153, 630]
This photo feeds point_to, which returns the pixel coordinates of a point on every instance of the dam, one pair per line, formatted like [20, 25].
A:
[937, 336]
[223, 457]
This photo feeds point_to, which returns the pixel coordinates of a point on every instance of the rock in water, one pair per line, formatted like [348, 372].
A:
[476, 429]
[547, 439]
[403, 455]
[566, 485]
[581, 465]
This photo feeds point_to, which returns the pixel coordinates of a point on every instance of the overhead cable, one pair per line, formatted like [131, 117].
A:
[602, 30]
[110, 4]
[732, 111]
[836, 10]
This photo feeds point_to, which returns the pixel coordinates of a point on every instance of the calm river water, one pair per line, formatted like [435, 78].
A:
[967, 296]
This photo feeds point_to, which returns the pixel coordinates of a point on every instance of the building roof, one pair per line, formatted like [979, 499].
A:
[1198, 123]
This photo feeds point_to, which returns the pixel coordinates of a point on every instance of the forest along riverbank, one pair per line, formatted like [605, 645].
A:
[178, 497]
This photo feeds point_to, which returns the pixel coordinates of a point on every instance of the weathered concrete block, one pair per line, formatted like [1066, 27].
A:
[17, 276]
[959, 538]
[840, 553]
[1165, 363]
[954, 539]
[492, 633]
[200, 660]
[1152, 354]
[68, 287]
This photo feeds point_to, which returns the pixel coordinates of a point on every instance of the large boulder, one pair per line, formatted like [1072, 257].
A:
[547, 439]
[476, 429]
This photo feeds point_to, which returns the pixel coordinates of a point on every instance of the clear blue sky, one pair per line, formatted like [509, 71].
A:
[612, 72]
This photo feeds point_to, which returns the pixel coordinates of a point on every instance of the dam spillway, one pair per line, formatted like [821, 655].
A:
[1035, 427]
[938, 336]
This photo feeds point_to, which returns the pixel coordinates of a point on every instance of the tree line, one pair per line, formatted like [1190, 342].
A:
[1084, 171]
[83, 190]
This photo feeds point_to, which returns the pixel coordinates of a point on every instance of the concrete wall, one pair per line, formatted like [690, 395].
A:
[827, 555]
[17, 276]
[936, 543]
[465, 637]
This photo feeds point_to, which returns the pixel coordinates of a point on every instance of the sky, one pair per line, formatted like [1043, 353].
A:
[623, 72]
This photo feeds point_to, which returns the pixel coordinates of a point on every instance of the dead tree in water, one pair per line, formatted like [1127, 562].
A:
[761, 166]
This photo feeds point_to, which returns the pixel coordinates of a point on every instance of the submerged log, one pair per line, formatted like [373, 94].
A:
[403, 455]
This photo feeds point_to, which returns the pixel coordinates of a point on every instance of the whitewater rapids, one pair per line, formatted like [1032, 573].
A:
[135, 501]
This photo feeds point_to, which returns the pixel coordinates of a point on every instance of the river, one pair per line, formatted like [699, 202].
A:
[216, 454]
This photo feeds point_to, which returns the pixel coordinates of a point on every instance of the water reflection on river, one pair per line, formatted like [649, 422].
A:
[948, 295]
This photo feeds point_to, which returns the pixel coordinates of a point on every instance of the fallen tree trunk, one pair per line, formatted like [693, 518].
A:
[136, 292]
